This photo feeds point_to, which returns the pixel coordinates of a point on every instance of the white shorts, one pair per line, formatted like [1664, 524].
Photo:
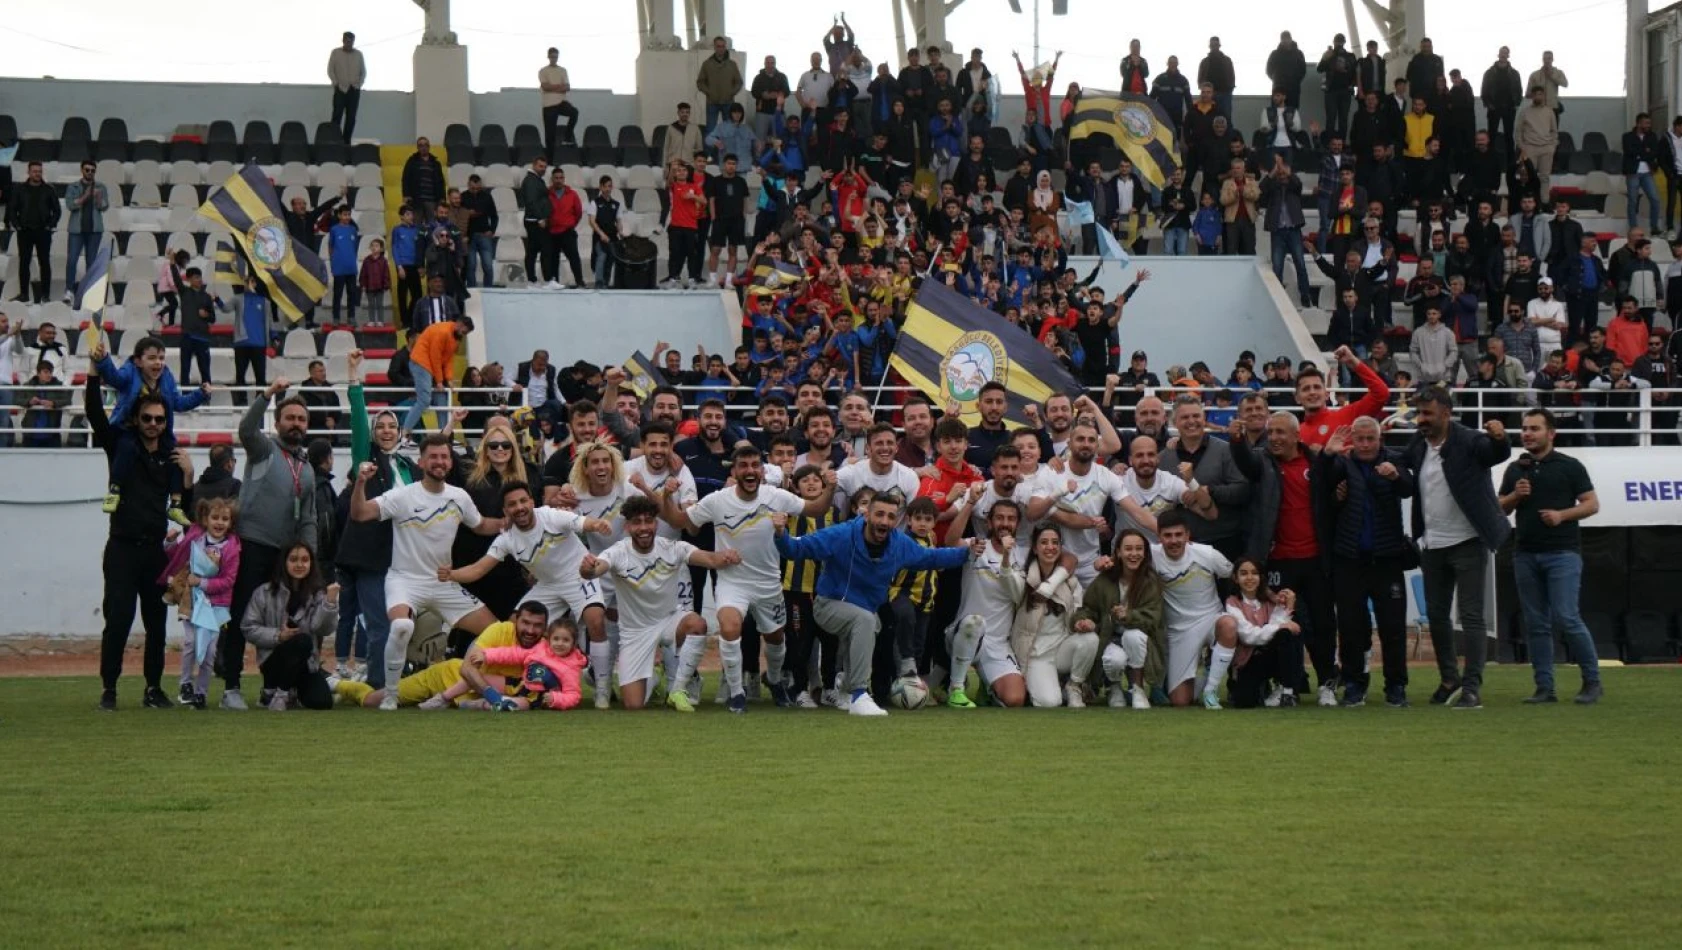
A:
[769, 612]
[1186, 642]
[637, 648]
[570, 595]
[427, 594]
[993, 659]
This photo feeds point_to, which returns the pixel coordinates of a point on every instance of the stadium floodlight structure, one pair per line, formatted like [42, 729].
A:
[1058, 8]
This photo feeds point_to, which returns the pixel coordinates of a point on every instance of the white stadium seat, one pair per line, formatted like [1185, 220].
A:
[293, 173]
[330, 177]
[112, 173]
[300, 344]
[340, 342]
[146, 196]
[185, 173]
[294, 191]
[219, 172]
[147, 173]
[183, 196]
[367, 175]
[505, 201]
[457, 175]
[369, 198]
[142, 244]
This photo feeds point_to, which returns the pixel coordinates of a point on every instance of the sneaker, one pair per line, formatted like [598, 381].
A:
[1159, 696]
[178, 516]
[358, 672]
[1141, 699]
[1590, 694]
[388, 702]
[69, 298]
[155, 698]
[832, 697]
[1354, 696]
[1072, 697]
[187, 694]
[341, 671]
[108, 700]
[1540, 697]
[109, 503]
[1396, 697]
[805, 701]
[1468, 699]
[1119, 697]
[958, 700]
[1289, 700]
[738, 703]
[233, 701]
[679, 701]
[436, 702]
[278, 702]
[199, 701]
[265, 696]
[865, 706]
[1275, 698]
[604, 696]
[1328, 694]
[1445, 694]
[779, 695]
[693, 690]
[1211, 700]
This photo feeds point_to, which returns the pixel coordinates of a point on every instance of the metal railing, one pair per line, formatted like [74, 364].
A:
[1583, 414]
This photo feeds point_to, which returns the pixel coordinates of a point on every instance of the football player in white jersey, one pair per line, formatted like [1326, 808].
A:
[993, 585]
[424, 516]
[546, 543]
[598, 489]
[1080, 509]
[657, 463]
[1007, 483]
[877, 470]
[1195, 617]
[1154, 490]
[649, 569]
[741, 513]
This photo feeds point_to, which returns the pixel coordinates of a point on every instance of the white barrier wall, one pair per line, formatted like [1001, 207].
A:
[604, 328]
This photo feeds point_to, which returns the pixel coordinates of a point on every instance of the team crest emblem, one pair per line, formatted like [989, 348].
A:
[642, 383]
[974, 361]
[270, 243]
[1136, 121]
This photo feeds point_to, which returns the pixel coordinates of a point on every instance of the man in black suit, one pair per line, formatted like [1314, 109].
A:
[534, 381]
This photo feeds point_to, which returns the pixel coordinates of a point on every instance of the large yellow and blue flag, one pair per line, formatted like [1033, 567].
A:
[1136, 124]
[779, 277]
[247, 205]
[96, 282]
[951, 346]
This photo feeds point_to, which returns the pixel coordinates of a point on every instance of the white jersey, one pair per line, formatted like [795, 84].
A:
[1188, 584]
[744, 526]
[550, 551]
[649, 586]
[686, 492]
[1164, 493]
[606, 507]
[992, 590]
[859, 475]
[1021, 494]
[1091, 491]
[423, 526]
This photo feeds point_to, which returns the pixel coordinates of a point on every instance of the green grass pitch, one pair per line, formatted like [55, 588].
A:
[1509, 826]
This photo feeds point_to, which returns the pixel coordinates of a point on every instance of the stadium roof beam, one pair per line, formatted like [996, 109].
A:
[928, 24]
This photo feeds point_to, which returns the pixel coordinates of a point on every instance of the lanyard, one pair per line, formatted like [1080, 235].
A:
[296, 468]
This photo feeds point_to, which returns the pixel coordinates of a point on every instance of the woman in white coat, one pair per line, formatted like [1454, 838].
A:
[1042, 636]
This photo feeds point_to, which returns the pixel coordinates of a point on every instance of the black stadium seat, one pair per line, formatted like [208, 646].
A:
[1594, 143]
[148, 150]
[1581, 163]
[75, 141]
[8, 130]
[292, 132]
[36, 150]
[183, 151]
[636, 155]
[630, 136]
[999, 137]
[293, 152]
[568, 155]
[258, 143]
[458, 141]
[657, 141]
[601, 155]
[112, 143]
[596, 135]
[365, 153]
[528, 143]
[329, 145]
[493, 145]
[221, 142]
[1567, 143]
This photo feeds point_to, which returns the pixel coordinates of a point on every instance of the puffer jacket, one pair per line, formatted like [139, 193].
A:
[266, 614]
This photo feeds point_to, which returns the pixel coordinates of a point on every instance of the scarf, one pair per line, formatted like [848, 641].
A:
[1031, 614]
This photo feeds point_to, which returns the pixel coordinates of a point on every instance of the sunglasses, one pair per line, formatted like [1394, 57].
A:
[147, 417]
[499, 446]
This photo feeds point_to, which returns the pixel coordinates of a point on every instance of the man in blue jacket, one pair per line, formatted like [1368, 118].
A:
[858, 560]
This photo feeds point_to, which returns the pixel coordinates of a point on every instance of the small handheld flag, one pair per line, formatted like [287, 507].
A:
[778, 277]
[91, 292]
[642, 375]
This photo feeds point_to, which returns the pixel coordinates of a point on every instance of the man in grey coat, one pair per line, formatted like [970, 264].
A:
[276, 509]
[1457, 523]
[1211, 463]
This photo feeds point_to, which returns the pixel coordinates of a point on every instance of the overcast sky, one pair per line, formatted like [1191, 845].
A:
[198, 40]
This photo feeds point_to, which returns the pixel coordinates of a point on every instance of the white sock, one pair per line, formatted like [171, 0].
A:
[601, 663]
[689, 660]
[1219, 659]
[397, 651]
[668, 662]
[730, 654]
[774, 654]
[966, 637]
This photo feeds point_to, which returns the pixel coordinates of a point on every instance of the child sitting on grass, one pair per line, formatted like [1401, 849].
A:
[200, 577]
[144, 372]
[550, 680]
[1261, 616]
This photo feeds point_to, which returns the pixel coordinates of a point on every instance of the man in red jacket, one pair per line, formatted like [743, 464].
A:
[566, 209]
[1318, 422]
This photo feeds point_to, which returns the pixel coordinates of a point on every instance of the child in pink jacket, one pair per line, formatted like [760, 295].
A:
[551, 677]
[200, 577]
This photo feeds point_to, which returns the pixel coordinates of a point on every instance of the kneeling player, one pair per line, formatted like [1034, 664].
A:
[1196, 618]
[648, 571]
[440, 684]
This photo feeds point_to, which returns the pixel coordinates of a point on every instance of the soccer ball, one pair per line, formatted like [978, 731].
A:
[909, 692]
